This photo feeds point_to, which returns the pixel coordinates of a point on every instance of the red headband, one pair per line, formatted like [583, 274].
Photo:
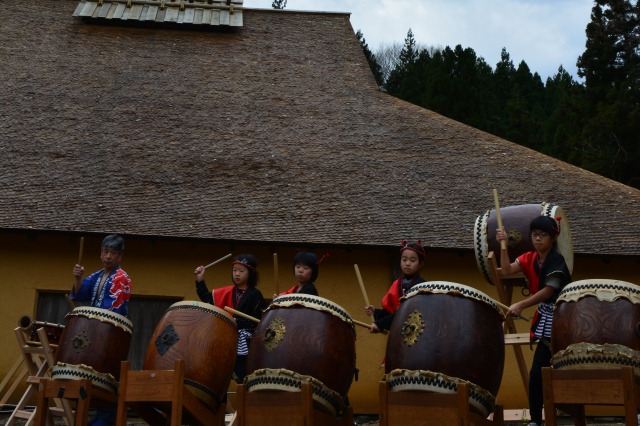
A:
[243, 262]
[406, 246]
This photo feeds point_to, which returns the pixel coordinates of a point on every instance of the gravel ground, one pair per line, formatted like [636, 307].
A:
[372, 420]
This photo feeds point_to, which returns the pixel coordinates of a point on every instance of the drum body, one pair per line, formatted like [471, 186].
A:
[516, 221]
[451, 329]
[93, 344]
[309, 336]
[206, 338]
[593, 318]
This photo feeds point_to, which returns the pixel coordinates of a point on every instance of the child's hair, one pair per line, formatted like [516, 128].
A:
[250, 262]
[113, 241]
[309, 259]
[416, 247]
[546, 224]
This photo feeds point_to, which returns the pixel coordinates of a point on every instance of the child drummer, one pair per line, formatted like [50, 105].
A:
[547, 273]
[411, 261]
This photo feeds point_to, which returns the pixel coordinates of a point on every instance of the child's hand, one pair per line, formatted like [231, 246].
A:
[501, 235]
[369, 309]
[374, 328]
[199, 273]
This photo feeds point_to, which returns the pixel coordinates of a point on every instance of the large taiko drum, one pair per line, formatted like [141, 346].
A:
[596, 324]
[444, 332]
[304, 338]
[93, 344]
[516, 220]
[206, 338]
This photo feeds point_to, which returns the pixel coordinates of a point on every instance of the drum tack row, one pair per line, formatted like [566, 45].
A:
[443, 334]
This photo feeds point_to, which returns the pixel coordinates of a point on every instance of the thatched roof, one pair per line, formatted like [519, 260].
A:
[272, 132]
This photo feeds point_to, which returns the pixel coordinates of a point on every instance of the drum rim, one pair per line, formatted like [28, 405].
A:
[321, 393]
[202, 306]
[483, 297]
[299, 298]
[104, 315]
[574, 290]
[82, 371]
[479, 397]
[586, 355]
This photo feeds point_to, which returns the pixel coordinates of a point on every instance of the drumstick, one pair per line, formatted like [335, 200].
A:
[241, 314]
[505, 307]
[365, 325]
[73, 305]
[275, 271]
[218, 261]
[81, 249]
[364, 291]
[503, 243]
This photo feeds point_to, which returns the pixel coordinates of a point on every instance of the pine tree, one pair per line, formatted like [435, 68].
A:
[610, 143]
[371, 59]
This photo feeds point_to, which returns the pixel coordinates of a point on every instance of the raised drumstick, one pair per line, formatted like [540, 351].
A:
[218, 261]
[275, 272]
[364, 291]
[81, 250]
[503, 243]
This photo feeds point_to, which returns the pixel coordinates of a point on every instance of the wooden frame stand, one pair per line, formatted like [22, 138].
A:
[146, 390]
[570, 390]
[80, 391]
[420, 408]
[284, 409]
[38, 357]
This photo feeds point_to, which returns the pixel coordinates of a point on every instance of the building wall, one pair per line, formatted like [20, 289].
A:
[164, 267]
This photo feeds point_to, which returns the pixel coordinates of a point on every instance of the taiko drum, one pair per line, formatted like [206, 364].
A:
[597, 311]
[206, 338]
[307, 335]
[451, 329]
[92, 345]
[516, 221]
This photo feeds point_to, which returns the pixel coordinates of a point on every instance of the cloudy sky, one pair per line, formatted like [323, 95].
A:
[543, 33]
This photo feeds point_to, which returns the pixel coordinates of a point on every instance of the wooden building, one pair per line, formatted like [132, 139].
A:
[271, 136]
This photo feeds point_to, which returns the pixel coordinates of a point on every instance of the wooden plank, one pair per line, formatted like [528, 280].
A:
[151, 13]
[89, 8]
[161, 15]
[120, 8]
[180, 16]
[171, 15]
[79, 8]
[235, 20]
[104, 9]
[112, 10]
[206, 17]
[189, 13]
[224, 17]
[197, 16]
[215, 17]
[135, 11]
[125, 13]
[517, 339]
